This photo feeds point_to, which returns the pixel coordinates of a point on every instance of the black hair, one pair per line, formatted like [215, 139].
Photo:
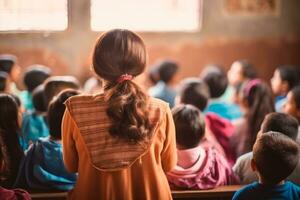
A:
[248, 69]
[167, 69]
[56, 84]
[35, 75]
[189, 125]
[3, 81]
[280, 122]
[216, 79]
[276, 156]
[290, 74]
[10, 151]
[296, 95]
[7, 62]
[194, 92]
[56, 111]
[38, 99]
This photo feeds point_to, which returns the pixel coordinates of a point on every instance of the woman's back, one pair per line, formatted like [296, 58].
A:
[110, 167]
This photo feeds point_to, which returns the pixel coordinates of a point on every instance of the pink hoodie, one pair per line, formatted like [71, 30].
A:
[201, 167]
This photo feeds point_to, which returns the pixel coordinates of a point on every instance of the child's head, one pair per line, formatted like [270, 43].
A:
[216, 80]
[167, 71]
[190, 126]
[257, 101]
[35, 75]
[39, 100]
[275, 156]
[153, 74]
[280, 122]
[292, 105]
[56, 84]
[240, 71]
[119, 56]
[8, 64]
[56, 111]
[284, 79]
[3, 82]
[195, 92]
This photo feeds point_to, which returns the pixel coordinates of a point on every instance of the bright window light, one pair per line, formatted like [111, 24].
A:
[146, 15]
[28, 15]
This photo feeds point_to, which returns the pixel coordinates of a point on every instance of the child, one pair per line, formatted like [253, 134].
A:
[219, 130]
[217, 82]
[198, 166]
[33, 77]
[4, 82]
[121, 142]
[239, 72]
[56, 84]
[256, 102]
[275, 156]
[283, 80]
[164, 89]
[8, 64]
[278, 122]
[10, 152]
[43, 166]
[34, 125]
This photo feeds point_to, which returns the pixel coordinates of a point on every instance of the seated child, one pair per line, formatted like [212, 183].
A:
[284, 79]
[56, 84]
[164, 88]
[11, 152]
[219, 130]
[4, 82]
[43, 166]
[34, 124]
[33, 77]
[217, 82]
[8, 64]
[278, 122]
[198, 166]
[292, 106]
[275, 156]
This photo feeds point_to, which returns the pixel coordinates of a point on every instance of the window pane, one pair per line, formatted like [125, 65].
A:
[33, 15]
[146, 15]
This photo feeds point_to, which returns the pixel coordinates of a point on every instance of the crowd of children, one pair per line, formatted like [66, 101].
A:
[122, 142]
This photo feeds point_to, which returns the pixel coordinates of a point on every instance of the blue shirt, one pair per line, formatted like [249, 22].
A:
[164, 92]
[223, 109]
[257, 191]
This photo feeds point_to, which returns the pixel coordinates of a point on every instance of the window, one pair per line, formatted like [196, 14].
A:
[25, 15]
[146, 15]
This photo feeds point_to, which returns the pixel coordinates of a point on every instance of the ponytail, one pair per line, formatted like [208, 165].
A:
[119, 56]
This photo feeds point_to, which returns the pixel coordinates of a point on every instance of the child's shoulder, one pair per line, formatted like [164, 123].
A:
[248, 192]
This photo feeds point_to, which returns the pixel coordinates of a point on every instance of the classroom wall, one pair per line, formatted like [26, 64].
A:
[266, 40]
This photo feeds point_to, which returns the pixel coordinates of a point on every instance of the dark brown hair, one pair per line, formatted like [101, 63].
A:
[10, 151]
[276, 156]
[259, 99]
[56, 112]
[189, 125]
[118, 52]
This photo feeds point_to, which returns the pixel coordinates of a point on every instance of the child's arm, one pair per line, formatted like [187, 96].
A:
[169, 153]
[70, 153]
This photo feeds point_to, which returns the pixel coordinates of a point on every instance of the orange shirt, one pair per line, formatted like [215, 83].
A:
[108, 167]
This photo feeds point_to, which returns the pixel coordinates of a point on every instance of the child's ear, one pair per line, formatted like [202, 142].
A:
[253, 165]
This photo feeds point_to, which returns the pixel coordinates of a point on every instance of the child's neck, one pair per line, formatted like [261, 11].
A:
[261, 181]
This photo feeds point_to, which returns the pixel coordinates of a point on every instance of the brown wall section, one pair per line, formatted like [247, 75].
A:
[266, 40]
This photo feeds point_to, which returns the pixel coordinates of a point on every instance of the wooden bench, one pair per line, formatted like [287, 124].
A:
[219, 193]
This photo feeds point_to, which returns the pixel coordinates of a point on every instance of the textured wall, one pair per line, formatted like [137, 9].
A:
[266, 40]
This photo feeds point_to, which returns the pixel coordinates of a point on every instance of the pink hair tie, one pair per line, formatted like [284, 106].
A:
[251, 84]
[124, 77]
